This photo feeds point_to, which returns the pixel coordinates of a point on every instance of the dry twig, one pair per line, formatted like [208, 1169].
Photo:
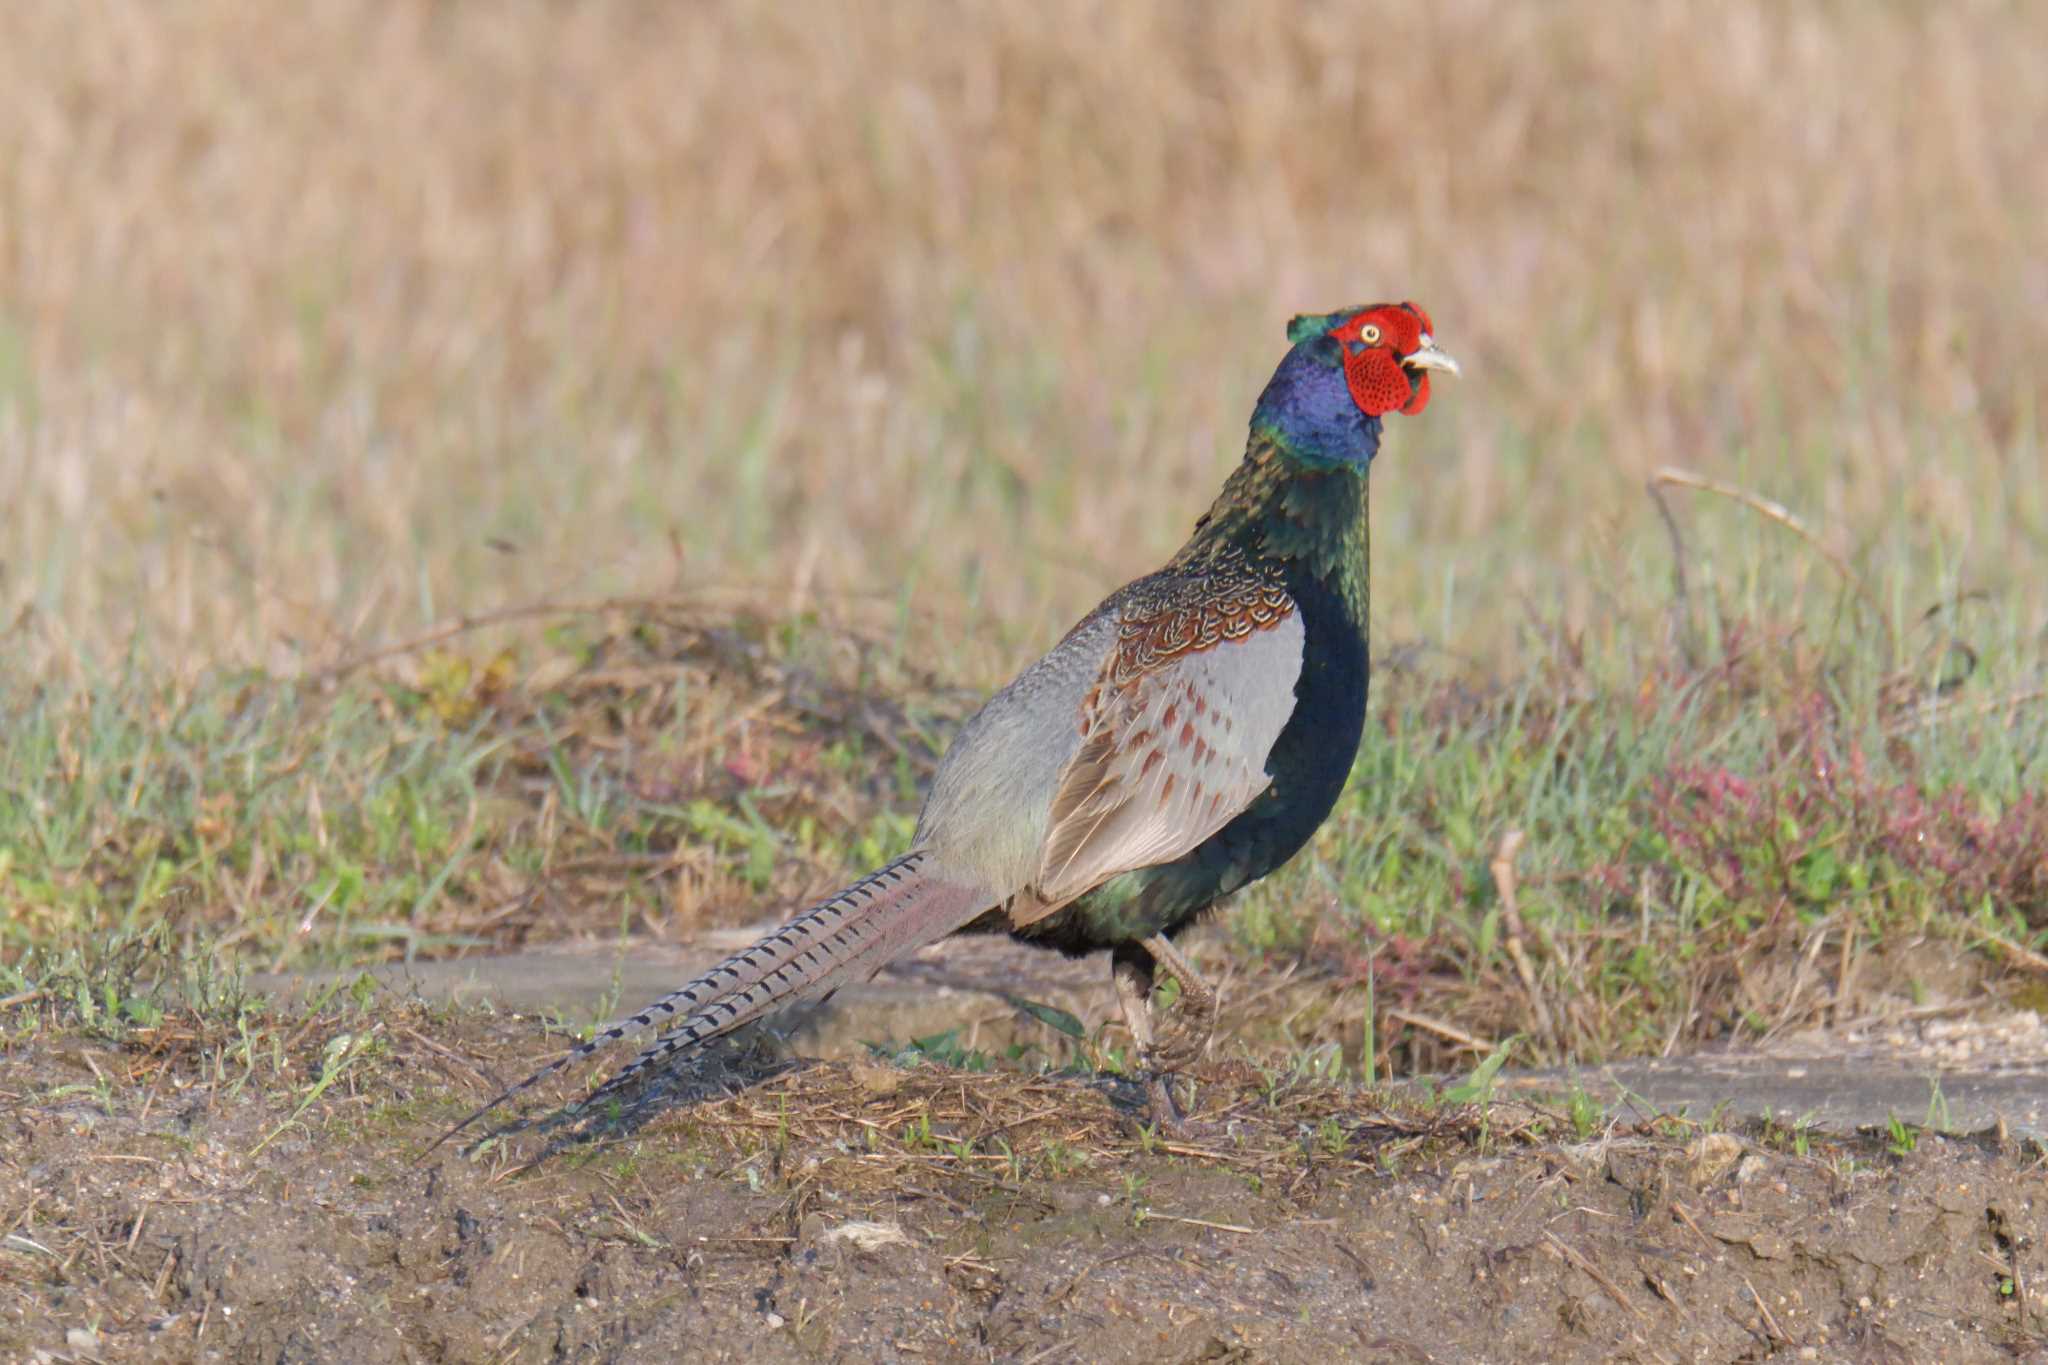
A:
[1771, 511]
[1511, 914]
[1593, 1272]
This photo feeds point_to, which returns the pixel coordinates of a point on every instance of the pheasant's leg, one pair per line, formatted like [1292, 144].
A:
[1131, 969]
[1189, 1039]
[1132, 973]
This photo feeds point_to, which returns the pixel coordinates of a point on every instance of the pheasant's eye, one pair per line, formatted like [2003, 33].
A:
[1369, 334]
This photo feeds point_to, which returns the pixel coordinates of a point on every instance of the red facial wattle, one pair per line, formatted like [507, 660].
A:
[1374, 343]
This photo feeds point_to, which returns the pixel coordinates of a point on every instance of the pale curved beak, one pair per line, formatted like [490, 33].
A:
[1428, 357]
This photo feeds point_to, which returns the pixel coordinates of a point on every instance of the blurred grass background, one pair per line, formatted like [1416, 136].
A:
[322, 324]
[317, 322]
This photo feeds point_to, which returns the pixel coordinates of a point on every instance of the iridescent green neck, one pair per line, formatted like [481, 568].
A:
[1277, 509]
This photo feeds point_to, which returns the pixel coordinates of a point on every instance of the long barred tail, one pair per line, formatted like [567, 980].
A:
[848, 937]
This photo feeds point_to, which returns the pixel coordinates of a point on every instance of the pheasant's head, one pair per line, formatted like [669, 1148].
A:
[1387, 350]
[1346, 371]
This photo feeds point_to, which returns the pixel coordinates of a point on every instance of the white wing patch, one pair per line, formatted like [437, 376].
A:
[1167, 760]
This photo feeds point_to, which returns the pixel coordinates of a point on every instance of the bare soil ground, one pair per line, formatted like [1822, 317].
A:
[175, 1197]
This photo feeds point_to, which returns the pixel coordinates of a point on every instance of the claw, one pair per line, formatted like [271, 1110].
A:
[1166, 1113]
[1193, 1025]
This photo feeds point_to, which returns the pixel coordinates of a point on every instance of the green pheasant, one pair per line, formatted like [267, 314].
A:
[1182, 741]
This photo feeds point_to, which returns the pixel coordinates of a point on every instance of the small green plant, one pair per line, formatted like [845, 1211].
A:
[1585, 1112]
[1062, 1160]
[1331, 1138]
[937, 1049]
[1368, 1047]
[1477, 1088]
[100, 1088]
[1797, 1139]
[342, 1051]
[1900, 1138]
[1318, 1065]
[1937, 1120]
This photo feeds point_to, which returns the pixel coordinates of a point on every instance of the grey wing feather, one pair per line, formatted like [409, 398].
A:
[990, 804]
[1168, 760]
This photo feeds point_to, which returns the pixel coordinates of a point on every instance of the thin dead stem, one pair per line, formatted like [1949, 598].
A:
[1773, 511]
[1504, 882]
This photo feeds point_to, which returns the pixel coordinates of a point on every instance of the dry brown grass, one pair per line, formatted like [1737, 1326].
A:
[315, 322]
